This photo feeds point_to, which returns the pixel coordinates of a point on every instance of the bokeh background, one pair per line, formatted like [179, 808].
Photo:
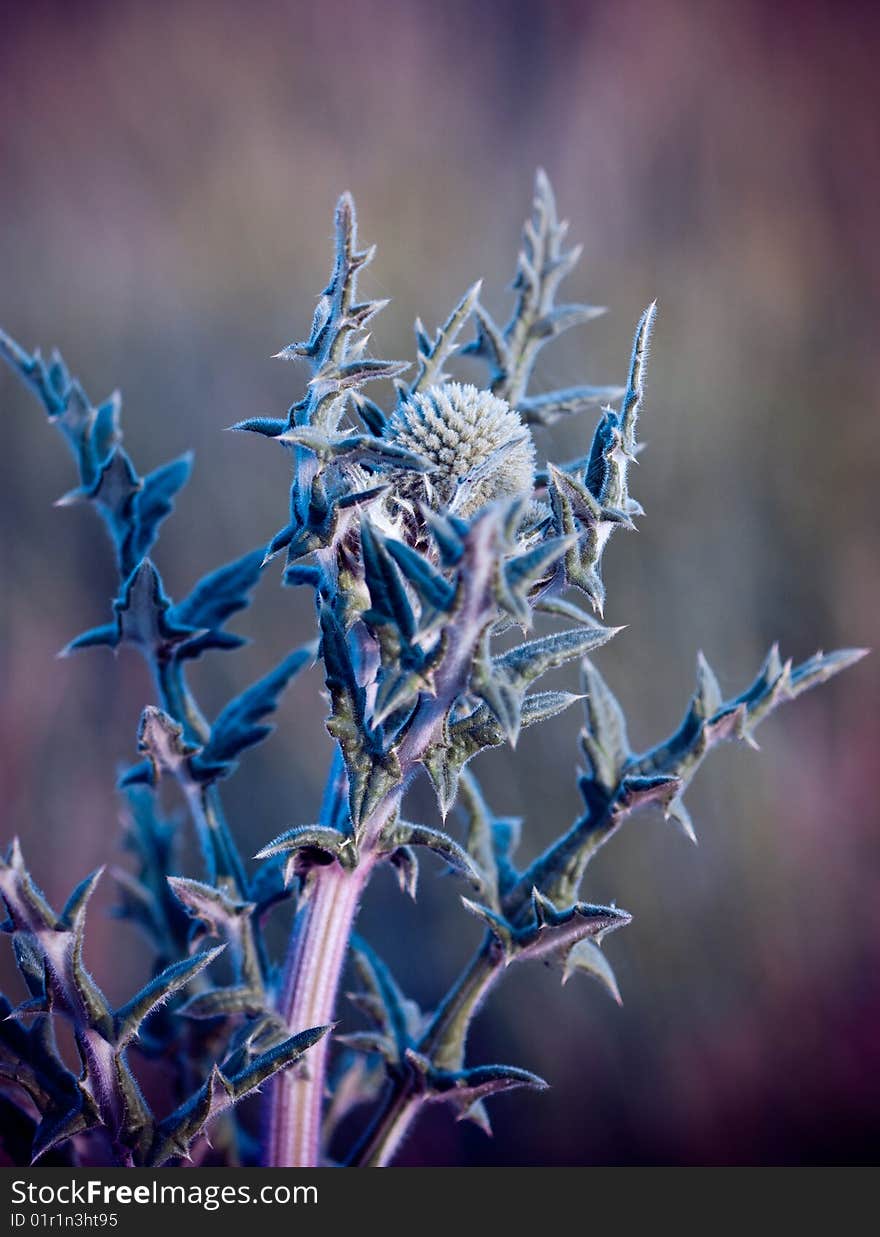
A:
[167, 177]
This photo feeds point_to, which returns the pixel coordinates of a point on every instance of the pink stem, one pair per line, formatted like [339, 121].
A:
[308, 999]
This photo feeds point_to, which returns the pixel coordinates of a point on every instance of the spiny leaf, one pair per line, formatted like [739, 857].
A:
[388, 600]
[503, 932]
[619, 782]
[583, 505]
[444, 765]
[527, 662]
[482, 729]
[308, 844]
[632, 398]
[397, 692]
[548, 408]
[357, 448]
[214, 907]
[371, 414]
[586, 958]
[31, 963]
[549, 930]
[482, 836]
[821, 668]
[500, 696]
[47, 383]
[527, 570]
[239, 724]
[466, 737]
[432, 589]
[270, 1062]
[541, 706]
[542, 264]
[73, 915]
[357, 371]
[224, 1002]
[561, 607]
[448, 533]
[269, 427]
[562, 318]
[489, 344]
[176, 1133]
[605, 739]
[64, 400]
[29, 1058]
[155, 501]
[220, 594]
[467, 1087]
[395, 1016]
[57, 1127]
[129, 1017]
[26, 904]
[112, 489]
[556, 929]
[679, 815]
[708, 698]
[434, 354]
[106, 430]
[407, 834]
[70, 987]
[370, 1042]
[636, 792]
[161, 738]
[143, 617]
[406, 864]
[372, 770]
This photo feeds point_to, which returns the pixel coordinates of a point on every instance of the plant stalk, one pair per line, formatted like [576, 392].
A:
[443, 1042]
[384, 1138]
[308, 999]
[315, 960]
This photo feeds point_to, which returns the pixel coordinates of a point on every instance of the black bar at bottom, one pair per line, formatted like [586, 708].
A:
[263, 1202]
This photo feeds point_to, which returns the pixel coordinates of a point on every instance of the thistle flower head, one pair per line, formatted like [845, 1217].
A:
[478, 444]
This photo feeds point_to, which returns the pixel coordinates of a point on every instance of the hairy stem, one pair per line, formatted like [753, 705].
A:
[444, 1042]
[220, 854]
[308, 998]
[444, 1039]
[385, 1136]
[315, 959]
[177, 699]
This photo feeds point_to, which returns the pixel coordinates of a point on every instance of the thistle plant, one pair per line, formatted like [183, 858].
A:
[441, 555]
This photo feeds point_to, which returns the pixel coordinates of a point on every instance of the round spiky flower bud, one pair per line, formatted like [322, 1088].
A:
[478, 444]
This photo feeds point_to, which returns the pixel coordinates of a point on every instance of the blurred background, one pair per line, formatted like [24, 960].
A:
[167, 180]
